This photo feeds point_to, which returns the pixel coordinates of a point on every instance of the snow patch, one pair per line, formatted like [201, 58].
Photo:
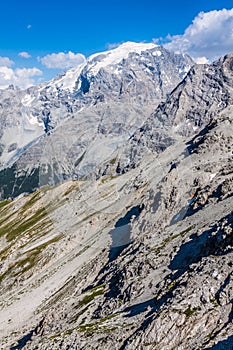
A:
[116, 55]
[32, 120]
[68, 80]
[27, 100]
[157, 53]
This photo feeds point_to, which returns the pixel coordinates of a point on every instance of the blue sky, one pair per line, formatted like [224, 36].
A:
[35, 29]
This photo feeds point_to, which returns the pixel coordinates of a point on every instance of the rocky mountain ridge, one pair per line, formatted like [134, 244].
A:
[203, 93]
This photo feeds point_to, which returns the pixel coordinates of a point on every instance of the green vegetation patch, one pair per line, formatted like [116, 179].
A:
[76, 316]
[30, 259]
[182, 233]
[98, 326]
[33, 199]
[16, 228]
[74, 187]
[90, 297]
[113, 161]
[91, 328]
[190, 311]
[4, 203]
[108, 178]
[170, 238]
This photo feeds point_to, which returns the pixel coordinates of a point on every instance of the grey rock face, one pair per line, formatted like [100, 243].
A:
[205, 92]
[141, 79]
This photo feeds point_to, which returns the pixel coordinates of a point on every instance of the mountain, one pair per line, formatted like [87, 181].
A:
[98, 104]
[135, 249]
[139, 260]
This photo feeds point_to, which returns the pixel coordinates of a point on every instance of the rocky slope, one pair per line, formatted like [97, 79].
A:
[142, 260]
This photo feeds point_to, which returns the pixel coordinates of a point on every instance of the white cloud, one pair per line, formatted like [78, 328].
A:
[21, 77]
[62, 60]
[5, 61]
[24, 54]
[209, 36]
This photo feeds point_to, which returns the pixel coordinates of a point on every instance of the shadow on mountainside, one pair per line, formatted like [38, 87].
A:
[121, 239]
[226, 344]
[212, 241]
[120, 234]
[28, 337]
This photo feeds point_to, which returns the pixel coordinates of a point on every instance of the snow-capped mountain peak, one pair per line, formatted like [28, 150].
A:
[116, 55]
[67, 81]
[95, 62]
[135, 75]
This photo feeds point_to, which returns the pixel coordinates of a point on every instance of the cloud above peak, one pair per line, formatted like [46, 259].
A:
[6, 62]
[21, 77]
[210, 35]
[62, 60]
[24, 54]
